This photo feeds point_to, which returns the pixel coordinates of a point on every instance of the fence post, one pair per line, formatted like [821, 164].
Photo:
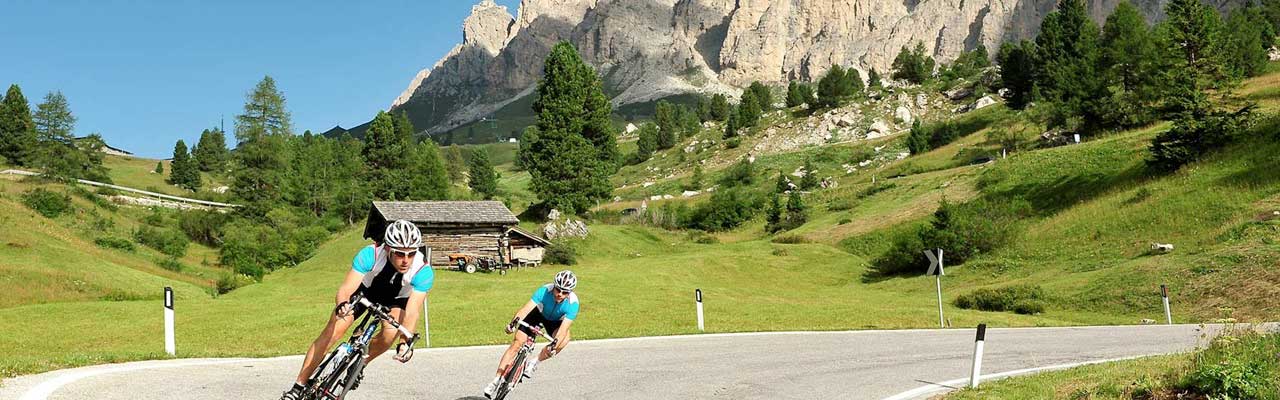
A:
[1164, 293]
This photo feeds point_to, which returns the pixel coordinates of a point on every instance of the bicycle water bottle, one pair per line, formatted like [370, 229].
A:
[343, 349]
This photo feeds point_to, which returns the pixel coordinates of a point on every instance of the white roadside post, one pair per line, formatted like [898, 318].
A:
[1164, 292]
[169, 345]
[977, 355]
[935, 269]
[426, 321]
[697, 293]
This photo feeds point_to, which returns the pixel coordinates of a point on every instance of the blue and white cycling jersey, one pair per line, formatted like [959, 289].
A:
[552, 311]
[379, 274]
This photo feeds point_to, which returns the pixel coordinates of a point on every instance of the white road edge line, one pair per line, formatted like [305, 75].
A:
[953, 384]
[46, 388]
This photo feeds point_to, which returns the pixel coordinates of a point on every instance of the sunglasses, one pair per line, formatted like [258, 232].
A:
[405, 254]
[563, 291]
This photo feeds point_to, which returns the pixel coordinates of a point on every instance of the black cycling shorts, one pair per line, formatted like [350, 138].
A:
[534, 318]
[383, 298]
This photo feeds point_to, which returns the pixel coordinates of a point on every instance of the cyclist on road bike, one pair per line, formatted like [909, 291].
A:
[555, 306]
[392, 273]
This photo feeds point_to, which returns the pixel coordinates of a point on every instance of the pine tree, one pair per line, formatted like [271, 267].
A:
[91, 150]
[386, 155]
[262, 153]
[666, 117]
[55, 152]
[1191, 36]
[793, 95]
[184, 172]
[773, 218]
[159, 168]
[689, 122]
[17, 129]
[704, 109]
[749, 110]
[832, 88]
[783, 184]
[211, 152]
[720, 108]
[647, 143]
[1128, 64]
[731, 126]
[806, 93]
[851, 85]
[1017, 72]
[484, 180]
[1249, 37]
[695, 180]
[913, 65]
[810, 179]
[918, 140]
[764, 98]
[566, 155]
[426, 175]
[873, 80]
[1068, 57]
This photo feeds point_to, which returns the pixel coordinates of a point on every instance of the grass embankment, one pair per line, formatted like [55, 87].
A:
[1236, 366]
[139, 173]
[635, 281]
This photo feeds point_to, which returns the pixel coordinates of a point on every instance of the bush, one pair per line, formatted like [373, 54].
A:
[171, 264]
[112, 242]
[48, 203]
[253, 249]
[1193, 137]
[840, 205]
[94, 198]
[844, 221]
[204, 227]
[1243, 366]
[229, 282]
[961, 230]
[701, 237]
[158, 218]
[733, 143]
[167, 242]
[1022, 299]
[561, 253]
[741, 174]
[726, 210]
[791, 239]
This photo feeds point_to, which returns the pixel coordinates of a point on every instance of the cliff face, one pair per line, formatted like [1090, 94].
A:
[650, 49]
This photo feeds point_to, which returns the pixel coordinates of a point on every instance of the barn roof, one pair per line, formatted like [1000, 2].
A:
[516, 230]
[447, 212]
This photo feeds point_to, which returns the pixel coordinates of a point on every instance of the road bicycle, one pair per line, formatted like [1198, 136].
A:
[341, 369]
[515, 373]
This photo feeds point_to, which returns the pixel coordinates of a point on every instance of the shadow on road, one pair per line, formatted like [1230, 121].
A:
[917, 380]
[472, 398]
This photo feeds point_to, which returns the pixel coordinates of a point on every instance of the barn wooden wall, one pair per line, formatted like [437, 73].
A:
[483, 242]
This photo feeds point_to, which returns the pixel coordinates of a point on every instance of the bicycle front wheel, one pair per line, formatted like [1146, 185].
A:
[510, 379]
[353, 373]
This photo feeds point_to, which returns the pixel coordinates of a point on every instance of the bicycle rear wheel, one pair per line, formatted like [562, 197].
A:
[510, 379]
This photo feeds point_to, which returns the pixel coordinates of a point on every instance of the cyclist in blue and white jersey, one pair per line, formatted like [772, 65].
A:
[393, 273]
[553, 305]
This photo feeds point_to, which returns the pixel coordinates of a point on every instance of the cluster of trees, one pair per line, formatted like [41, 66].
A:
[913, 65]
[755, 101]
[45, 140]
[794, 213]
[184, 171]
[571, 151]
[483, 178]
[1127, 73]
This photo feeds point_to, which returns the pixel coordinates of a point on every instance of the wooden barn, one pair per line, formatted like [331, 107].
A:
[482, 228]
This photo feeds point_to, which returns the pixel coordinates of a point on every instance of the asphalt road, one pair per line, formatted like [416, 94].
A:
[835, 365]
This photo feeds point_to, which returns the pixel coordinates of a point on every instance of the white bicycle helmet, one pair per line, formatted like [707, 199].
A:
[565, 280]
[402, 234]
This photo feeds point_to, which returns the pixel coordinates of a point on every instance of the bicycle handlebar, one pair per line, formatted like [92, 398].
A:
[539, 329]
[379, 311]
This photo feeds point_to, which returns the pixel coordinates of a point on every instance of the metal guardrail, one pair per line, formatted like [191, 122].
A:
[132, 190]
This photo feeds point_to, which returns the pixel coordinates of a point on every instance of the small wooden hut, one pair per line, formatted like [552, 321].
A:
[481, 228]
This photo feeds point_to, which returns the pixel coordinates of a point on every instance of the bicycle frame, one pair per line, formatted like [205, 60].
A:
[358, 347]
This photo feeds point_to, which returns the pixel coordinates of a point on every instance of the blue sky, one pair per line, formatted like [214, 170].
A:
[147, 73]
